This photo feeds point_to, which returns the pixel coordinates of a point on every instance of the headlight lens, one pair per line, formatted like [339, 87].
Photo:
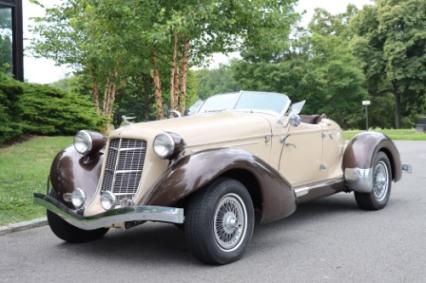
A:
[108, 200]
[83, 142]
[164, 146]
[78, 197]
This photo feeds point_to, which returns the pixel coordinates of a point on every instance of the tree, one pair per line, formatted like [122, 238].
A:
[323, 71]
[111, 40]
[88, 34]
[390, 40]
[316, 65]
[215, 81]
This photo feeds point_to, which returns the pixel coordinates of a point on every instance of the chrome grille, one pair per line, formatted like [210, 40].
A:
[123, 168]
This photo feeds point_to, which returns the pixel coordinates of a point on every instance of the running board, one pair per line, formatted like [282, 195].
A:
[322, 188]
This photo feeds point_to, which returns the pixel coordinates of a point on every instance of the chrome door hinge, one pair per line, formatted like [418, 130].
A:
[323, 167]
[268, 139]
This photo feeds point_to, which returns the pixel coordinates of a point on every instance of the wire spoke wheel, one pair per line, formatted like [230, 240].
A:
[378, 197]
[230, 222]
[380, 181]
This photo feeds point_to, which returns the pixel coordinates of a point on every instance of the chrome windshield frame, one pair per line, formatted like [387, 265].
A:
[240, 93]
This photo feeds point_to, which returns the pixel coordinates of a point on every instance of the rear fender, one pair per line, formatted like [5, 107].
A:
[359, 157]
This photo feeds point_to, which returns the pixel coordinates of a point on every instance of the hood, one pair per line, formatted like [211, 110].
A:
[199, 130]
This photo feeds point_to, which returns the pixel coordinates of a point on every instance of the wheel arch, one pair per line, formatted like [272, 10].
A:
[392, 161]
[272, 195]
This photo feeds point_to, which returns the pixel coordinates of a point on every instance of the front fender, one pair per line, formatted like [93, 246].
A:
[70, 170]
[193, 172]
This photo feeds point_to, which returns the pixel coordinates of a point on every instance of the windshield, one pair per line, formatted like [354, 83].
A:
[247, 100]
[220, 102]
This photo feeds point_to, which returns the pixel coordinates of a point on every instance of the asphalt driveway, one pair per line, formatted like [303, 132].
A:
[329, 240]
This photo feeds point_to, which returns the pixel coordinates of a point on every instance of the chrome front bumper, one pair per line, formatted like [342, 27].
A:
[110, 217]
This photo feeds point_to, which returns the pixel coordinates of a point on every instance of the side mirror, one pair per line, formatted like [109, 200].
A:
[293, 114]
[294, 120]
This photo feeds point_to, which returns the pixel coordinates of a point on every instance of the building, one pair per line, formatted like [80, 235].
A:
[11, 38]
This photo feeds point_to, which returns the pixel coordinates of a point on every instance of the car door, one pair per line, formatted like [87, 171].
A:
[301, 157]
[333, 145]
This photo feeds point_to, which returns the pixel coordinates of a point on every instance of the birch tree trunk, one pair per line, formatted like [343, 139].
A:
[185, 58]
[173, 73]
[157, 86]
[95, 92]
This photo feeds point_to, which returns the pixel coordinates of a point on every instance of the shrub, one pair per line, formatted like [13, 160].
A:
[10, 128]
[42, 110]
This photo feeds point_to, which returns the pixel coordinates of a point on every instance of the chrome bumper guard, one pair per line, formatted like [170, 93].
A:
[110, 217]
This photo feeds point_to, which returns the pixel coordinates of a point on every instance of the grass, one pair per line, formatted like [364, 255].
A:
[24, 168]
[400, 134]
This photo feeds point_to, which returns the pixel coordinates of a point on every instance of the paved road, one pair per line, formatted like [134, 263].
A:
[328, 240]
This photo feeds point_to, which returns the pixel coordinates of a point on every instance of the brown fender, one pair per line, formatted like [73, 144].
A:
[361, 150]
[193, 172]
[70, 170]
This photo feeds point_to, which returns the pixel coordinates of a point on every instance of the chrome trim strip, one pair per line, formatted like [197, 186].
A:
[128, 148]
[359, 180]
[110, 217]
[304, 190]
[126, 171]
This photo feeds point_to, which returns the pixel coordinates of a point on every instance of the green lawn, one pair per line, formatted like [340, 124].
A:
[24, 168]
[401, 134]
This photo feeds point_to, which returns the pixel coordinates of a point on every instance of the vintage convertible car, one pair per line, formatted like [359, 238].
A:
[237, 159]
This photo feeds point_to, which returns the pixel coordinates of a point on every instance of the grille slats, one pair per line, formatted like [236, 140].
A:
[124, 166]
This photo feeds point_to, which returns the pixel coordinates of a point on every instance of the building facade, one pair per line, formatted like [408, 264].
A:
[11, 38]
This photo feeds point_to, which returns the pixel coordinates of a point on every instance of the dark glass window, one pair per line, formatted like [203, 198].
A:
[6, 40]
[11, 38]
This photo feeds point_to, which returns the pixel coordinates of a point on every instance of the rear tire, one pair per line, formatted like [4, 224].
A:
[382, 183]
[70, 233]
[219, 222]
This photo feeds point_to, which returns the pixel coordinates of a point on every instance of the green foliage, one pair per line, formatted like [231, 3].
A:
[211, 82]
[78, 83]
[118, 40]
[49, 111]
[40, 109]
[326, 74]
[390, 40]
[10, 92]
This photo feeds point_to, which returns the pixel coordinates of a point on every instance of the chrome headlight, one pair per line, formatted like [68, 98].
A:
[83, 142]
[78, 198]
[108, 200]
[164, 145]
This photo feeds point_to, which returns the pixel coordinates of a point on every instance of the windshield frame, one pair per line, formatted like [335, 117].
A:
[240, 93]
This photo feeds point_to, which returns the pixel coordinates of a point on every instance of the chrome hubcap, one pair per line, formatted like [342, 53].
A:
[381, 181]
[230, 222]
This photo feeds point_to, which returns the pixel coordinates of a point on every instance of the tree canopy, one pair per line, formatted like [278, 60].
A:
[136, 56]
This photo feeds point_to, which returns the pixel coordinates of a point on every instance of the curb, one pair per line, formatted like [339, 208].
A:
[21, 226]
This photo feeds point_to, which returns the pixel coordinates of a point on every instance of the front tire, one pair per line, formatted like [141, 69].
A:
[70, 233]
[382, 183]
[219, 222]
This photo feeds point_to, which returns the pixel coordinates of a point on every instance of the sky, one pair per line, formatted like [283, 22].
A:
[41, 70]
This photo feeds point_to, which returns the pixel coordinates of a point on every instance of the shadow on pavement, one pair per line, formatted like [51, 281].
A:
[165, 244]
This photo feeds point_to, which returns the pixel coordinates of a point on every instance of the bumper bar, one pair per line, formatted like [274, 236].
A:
[114, 216]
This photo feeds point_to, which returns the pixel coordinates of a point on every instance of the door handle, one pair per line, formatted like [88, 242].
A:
[286, 143]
